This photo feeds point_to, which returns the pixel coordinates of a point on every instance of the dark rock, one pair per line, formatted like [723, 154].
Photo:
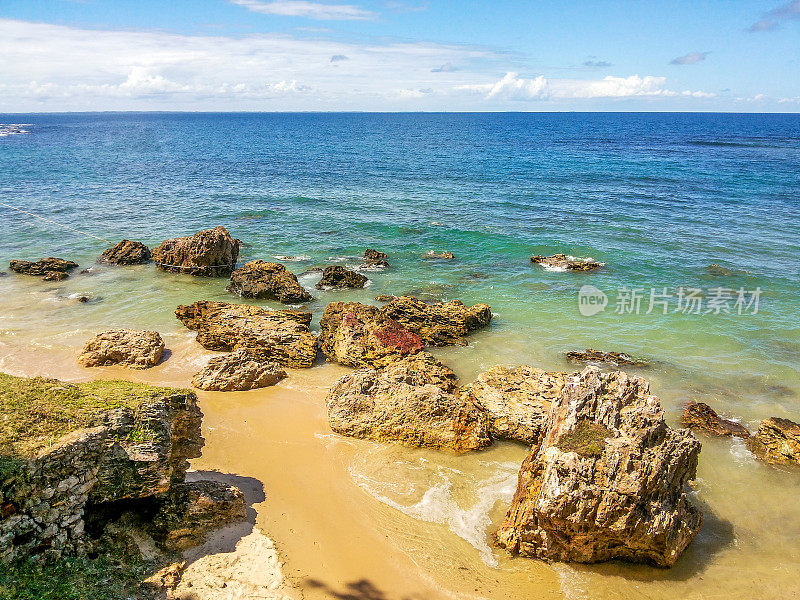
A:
[777, 441]
[337, 277]
[699, 415]
[385, 297]
[259, 279]
[126, 252]
[562, 262]
[209, 253]
[55, 276]
[46, 267]
[597, 356]
[374, 259]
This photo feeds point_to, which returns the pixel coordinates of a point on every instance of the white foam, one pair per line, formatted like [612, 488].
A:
[298, 258]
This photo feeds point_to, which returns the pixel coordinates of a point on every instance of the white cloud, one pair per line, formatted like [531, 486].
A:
[311, 10]
[511, 86]
[775, 18]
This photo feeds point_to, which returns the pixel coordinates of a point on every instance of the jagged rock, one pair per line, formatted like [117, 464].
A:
[126, 347]
[443, 255]
[598, 356]
[777, 441]
[516, 400]
[337, 277]
[209, 253]
[608, 480]
[562, 262]
[699, 415]
[411, 401]
[193, 509]
[443, 324]
[282, 335]
[52, 269]
[259, 279]
[243, 369]
[385, 297]
[374, 259]
[126, 252]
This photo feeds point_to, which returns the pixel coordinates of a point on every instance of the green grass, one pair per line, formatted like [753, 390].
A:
[587, 439]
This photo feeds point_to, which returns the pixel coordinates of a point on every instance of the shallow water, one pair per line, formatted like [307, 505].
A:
[656, 197]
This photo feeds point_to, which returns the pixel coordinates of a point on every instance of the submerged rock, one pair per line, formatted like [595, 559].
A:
[52, 269]
[259, 279]
[282, 335]
[598, 356]
[699, 415]
[385, 297]
[126, 347]
[375, 259]
[716, 270]
[126, 252]
[443, 255]
[412, 402]
[243, 369]
[337, 277]
[209, 253]
[562, 262]
[777, 441]
[516, 400]
[608, 480]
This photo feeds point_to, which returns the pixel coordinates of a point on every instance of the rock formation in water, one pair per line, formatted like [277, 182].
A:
[698, 415]
[439, 324]
[337, 277]
[281, 335]
[126, 252]
[411, 401]
[566, 263]
[243, 369]
[272, 281]
[442, 255]
[598, 356]
[51, 269]
[385, 297]
[777, 441]
[373, 259]
[126, 347]
[209, 253]
[516, 400]
[608, 480]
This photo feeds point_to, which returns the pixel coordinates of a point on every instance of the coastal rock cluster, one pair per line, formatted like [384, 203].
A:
[50, 269]
[126, 347]
[209, 253]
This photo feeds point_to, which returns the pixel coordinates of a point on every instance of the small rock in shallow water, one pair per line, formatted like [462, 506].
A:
[259, 279]
[126, 252]
[243, 369]
[777, 441]
[46, 267]
[375, 259]
[444, 255]
[337, 277]
[598, 356]
[385, 297]
[562, 262]
[126, 347]
[699, 415]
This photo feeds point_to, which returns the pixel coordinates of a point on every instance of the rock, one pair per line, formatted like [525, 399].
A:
[259, 279]
[126, 252]
[716, 270]
[699, 415]
[337, 277]
[126, 347]
[52, 269]
[373, 259]
[282, 335]
[193, 509]
[608, 480]
[443, 324]
[385, 297]
[412, 402]
[777, 441]
[444, 255]
[562, 262]
[516, 400]
[243, 369]
[598, 356]
[209, 253]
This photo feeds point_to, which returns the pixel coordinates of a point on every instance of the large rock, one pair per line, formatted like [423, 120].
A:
[126, 347]
[282, 335]
[516, 400]
[777, 441]
[272, 281]
[49, 268]
[608, 480]
[209, 253]
[440, 324]
[126, 252]
[698, 415]
[412, 401]
[243, 369]
[562, 262]
[337, 277]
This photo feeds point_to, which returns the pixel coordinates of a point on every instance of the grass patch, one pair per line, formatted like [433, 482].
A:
[34, 413]
[587, 439]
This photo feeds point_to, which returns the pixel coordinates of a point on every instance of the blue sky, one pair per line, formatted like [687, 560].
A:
[731, 55]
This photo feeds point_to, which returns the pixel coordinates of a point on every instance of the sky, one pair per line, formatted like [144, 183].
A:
[400, 55]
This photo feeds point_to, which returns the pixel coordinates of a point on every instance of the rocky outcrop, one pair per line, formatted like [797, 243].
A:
[126, 347]
[516, 400]
[777, 441]
[281, 335]
[243, 369]
[608, 480]
[700, 416]
[598, 356]
[440, 324]
[271, 281]
[442, 255]
[209, 253]
[373, 259]
[51, 269]
[337, 277]
[411, 401]
[562, 262]
[126, 252]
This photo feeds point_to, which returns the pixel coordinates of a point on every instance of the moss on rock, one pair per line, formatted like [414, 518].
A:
[587, 439]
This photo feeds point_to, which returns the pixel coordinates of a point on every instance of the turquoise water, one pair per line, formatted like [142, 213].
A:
[657, 197]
